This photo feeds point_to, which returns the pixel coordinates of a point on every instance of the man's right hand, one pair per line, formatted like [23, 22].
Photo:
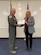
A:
[19, 25]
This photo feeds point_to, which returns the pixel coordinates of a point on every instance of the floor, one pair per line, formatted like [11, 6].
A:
[36, 49]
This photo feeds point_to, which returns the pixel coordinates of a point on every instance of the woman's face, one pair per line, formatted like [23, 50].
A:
[27, 14]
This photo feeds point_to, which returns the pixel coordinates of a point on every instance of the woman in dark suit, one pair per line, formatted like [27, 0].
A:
[29, 28]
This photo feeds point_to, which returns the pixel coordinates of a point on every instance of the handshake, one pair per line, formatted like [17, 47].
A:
[20, 25]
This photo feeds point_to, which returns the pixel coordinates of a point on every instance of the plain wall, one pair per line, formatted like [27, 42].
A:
[21, 7]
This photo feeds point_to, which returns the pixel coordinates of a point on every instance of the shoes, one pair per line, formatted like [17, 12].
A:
[29, 49]
[15, 47]
[12, 51]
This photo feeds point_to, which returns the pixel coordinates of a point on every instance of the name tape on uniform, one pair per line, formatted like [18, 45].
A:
[10, 16]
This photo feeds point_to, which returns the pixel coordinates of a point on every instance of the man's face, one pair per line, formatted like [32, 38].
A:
[13, 11]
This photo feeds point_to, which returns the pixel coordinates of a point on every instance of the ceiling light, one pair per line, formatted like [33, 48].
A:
[20, 13]
[19, 4]
[19, 8]
[40, 8]
[34, 13]
[5, 13]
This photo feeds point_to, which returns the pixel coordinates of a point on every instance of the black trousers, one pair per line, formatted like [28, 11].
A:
[28, 39]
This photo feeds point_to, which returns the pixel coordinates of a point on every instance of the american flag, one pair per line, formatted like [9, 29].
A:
[27, 6]
[10, 6]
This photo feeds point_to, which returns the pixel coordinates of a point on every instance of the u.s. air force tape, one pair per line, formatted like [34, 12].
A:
[10, 16]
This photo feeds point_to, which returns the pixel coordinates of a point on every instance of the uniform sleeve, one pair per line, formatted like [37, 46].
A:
[16, 21]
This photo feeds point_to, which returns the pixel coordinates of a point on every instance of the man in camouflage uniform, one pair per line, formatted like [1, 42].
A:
[12, 30]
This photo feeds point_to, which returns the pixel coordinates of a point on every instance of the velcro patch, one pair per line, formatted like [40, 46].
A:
[10, 16]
